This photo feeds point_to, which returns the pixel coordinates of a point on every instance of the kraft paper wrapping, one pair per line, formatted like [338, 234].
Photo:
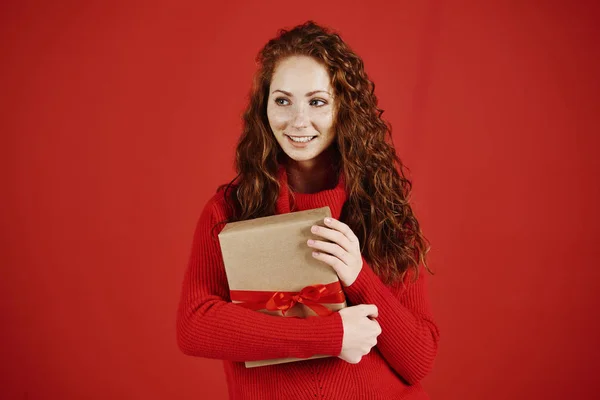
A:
[271, 254]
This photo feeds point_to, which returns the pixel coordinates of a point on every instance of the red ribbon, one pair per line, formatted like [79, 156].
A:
[313, 296]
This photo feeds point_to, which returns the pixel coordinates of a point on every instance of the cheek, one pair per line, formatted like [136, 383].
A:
[278, 118]
[324, 120]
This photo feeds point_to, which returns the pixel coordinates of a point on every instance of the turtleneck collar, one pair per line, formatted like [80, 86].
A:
[334, 198]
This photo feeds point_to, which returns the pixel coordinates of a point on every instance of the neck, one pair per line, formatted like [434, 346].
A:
[311, 176]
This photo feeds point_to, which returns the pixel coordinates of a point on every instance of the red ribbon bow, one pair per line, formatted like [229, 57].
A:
[312, 296]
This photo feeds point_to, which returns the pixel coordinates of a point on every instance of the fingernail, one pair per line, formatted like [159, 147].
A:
[327, 220]
[315, 253]
[310, 241]
[314, 228]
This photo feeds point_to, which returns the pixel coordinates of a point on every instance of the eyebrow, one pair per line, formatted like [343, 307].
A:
[307, 94]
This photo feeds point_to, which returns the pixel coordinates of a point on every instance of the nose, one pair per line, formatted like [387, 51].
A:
[300, 118]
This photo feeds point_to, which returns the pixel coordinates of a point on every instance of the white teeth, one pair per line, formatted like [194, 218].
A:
[302, 140]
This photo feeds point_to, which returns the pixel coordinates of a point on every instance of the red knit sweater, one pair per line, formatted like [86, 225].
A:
[209, 325]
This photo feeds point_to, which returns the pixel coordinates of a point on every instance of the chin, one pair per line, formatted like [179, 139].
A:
[302, 157]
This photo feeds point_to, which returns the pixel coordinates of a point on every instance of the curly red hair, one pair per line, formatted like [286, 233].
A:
[378, 208]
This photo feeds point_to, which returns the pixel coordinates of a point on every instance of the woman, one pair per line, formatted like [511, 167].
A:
[313, 136]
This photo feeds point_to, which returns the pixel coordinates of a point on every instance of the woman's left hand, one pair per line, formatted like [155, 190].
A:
[343, 254]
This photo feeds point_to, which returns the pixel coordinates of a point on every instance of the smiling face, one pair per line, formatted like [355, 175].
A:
[301, 108]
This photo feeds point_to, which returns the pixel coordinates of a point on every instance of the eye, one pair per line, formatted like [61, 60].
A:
[280, 101]
[313, 102]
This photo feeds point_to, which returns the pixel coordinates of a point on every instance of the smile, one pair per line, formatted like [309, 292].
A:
[301, 139]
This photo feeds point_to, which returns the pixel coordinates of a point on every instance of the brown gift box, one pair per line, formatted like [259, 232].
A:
[270, 254]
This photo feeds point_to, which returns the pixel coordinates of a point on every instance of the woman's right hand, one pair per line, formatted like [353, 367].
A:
[360, 332]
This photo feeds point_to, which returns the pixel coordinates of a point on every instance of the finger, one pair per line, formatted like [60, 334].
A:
[377, 327]
[333, 235]
[334, 262]
[341, 227]
[330, 248]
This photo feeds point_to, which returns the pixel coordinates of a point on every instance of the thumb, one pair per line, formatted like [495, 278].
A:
[370, 310]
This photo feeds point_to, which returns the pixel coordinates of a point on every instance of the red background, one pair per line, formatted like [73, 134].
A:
[119, 121]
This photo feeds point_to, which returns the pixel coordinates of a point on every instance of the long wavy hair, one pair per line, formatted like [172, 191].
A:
[377, 208]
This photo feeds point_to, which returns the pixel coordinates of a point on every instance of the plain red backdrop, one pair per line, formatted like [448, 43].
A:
[119, 121]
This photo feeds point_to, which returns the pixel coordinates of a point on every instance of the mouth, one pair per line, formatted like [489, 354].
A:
[300, 139]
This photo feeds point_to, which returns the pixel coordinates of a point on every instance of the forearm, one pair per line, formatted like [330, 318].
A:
[214, 328]
[409, 335]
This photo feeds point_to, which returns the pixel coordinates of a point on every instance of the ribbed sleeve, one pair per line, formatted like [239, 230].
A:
[409, 336]
[210, 326]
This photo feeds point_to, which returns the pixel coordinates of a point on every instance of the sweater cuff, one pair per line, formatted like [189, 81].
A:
[365, 282]
[326, 335]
